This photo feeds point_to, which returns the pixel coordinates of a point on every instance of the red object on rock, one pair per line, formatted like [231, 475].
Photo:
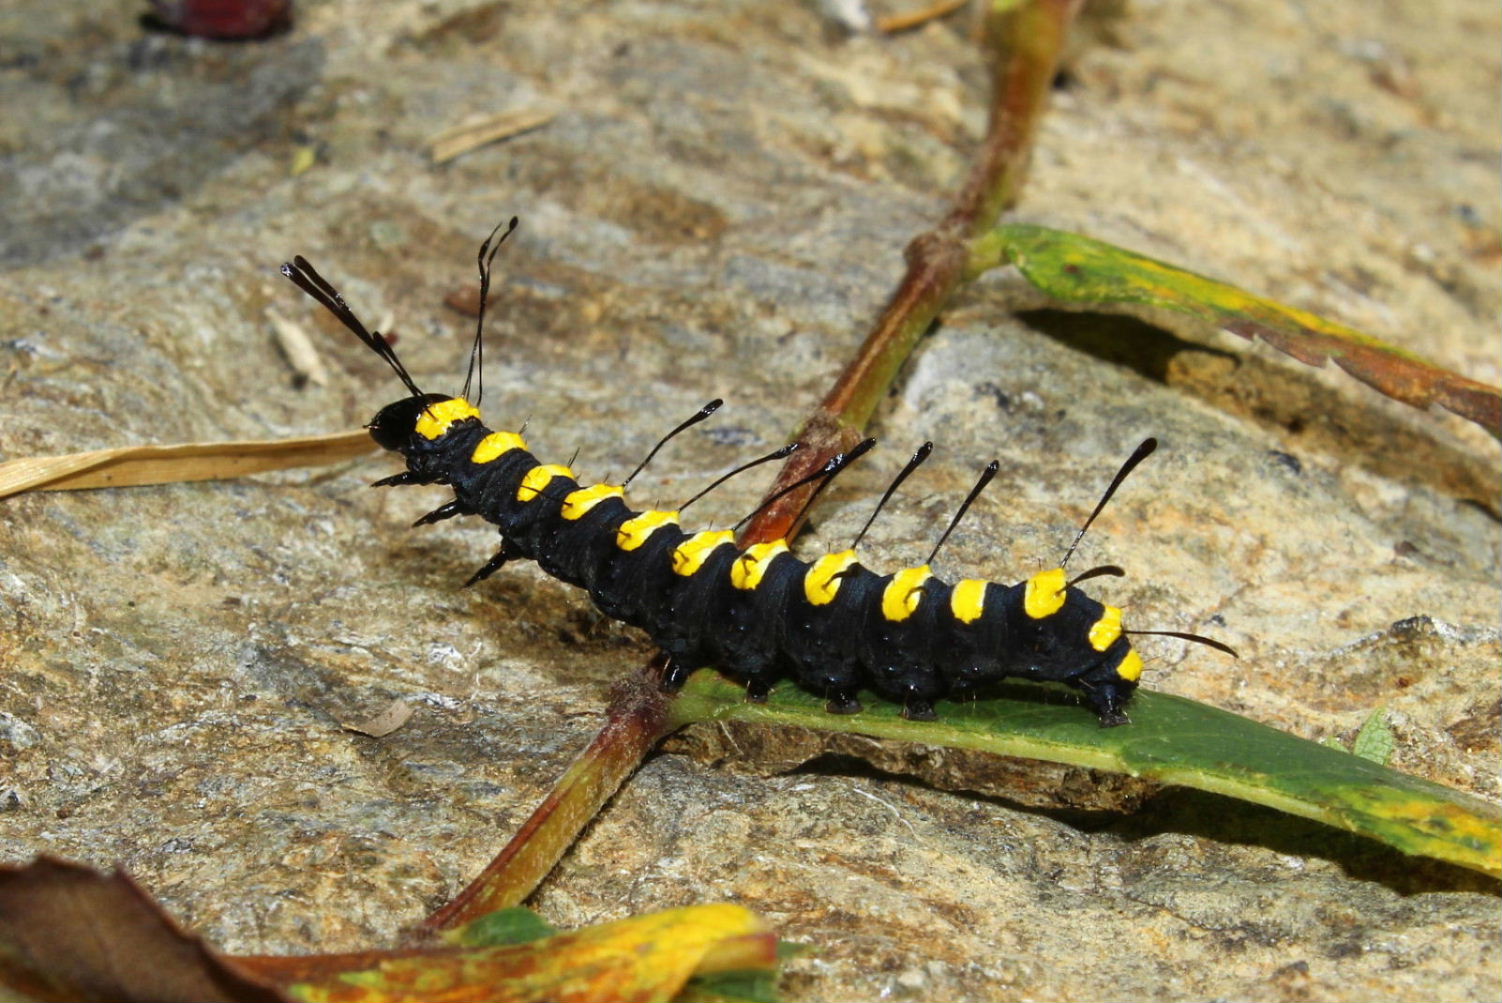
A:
[224, 19]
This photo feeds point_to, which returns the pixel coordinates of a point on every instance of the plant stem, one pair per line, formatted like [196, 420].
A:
[1024, 41]
[637, 720]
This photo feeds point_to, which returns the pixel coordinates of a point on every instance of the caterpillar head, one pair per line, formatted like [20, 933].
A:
[395, 424]
[1110, 684]
[1077, 640]
[1069, 637]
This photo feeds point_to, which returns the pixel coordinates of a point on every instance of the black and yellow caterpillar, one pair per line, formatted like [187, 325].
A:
[759, 612]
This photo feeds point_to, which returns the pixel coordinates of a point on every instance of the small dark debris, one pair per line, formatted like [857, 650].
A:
[988, 389]
[731, 435]
[1288, 461]
[1411, 627]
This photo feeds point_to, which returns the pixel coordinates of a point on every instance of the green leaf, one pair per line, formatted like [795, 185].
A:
[1375, 740]
[1170, 740]
[748, 985]
[516, 925]
[754, 986]
[1075, 269]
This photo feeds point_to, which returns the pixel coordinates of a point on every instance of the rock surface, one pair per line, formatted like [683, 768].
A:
[719, 209]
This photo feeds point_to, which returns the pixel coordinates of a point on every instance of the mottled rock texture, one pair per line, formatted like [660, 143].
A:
[719, 208]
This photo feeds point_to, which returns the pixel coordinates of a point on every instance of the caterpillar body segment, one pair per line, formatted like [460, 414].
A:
[760, 613]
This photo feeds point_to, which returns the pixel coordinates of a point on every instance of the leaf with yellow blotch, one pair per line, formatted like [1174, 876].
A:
[518, 925]
[1078, 270]
[647, 958]
[68, 932]
[129, 466]
[513, 925]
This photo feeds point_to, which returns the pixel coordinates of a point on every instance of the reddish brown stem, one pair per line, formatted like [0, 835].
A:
[636, 722]
[1025, 43]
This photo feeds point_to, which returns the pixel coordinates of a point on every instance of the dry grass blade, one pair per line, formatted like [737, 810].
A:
[461, 139]
[295, 344]
[894, 23]
[129, 466]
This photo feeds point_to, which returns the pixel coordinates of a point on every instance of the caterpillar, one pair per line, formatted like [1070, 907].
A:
[759, 612]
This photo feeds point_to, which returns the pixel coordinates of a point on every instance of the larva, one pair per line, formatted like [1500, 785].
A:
[759, 613]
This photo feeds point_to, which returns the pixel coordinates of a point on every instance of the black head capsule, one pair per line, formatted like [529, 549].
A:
[394, 425]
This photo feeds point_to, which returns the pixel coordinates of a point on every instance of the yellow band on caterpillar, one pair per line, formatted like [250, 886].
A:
[1105, 631]
[438, 418]
[749, 569]
[1044, 595]
[538, 478]
[904, 592]
[968, 600]
[495, 445]
[576, 503]
[1130, 668]
[635, 532]
[690, 555]
[822, 581]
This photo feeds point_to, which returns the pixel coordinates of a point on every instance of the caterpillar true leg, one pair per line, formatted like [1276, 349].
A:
[497, 562]
[447, 510]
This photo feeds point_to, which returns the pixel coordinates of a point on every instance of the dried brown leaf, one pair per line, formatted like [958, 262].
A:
[461, 139]
[68, 932]
[379, 725]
